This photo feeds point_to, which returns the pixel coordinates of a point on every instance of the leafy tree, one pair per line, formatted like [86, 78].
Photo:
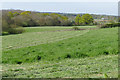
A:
[87, 19]
[83, 20]
[25, 13]
[10, 14]
[9, 24]
[77, 19]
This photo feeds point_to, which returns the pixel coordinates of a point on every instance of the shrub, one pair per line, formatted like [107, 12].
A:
[109, 25]
[5, 33]
[16, 30]
[91, 24]
[75, 28]
[95, 23]
[102, 26]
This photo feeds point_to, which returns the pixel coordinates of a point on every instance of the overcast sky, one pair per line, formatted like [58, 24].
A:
[65, 6]
[59, 0]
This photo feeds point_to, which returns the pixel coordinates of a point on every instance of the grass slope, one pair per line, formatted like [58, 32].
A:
[90, 44]
[36, 38]
[94, 67]
[39, 35]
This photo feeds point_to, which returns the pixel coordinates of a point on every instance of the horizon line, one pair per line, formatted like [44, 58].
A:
[62, 12]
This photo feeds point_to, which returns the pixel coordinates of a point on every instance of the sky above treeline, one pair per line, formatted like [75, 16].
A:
[103, 8]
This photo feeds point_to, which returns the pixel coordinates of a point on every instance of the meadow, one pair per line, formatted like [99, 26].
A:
[39, 35]
[94, 67]
[50, 52]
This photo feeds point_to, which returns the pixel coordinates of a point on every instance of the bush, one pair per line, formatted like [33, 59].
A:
[102, 26]
[91, 24]
[95, 23]
[75, 28]
[16, 30]
[109, 25]
[5, 33]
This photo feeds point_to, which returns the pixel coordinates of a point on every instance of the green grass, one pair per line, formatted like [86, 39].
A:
[36, 38]
[92, 43]
[42, 29]
[39, 35]
[53, 52]
[51, 28]
[94, 67]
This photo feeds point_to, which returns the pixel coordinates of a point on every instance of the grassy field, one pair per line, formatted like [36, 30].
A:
[40, 35]
[95, 67]
[61, 52]
[51, 28]
[36, 38]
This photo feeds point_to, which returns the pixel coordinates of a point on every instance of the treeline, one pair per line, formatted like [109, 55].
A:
[14, 20]
[28, 19]
[95, 16]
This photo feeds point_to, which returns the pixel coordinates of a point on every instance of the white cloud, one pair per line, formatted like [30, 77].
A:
[59, 0]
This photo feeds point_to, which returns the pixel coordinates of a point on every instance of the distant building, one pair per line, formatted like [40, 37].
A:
[103, 18]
